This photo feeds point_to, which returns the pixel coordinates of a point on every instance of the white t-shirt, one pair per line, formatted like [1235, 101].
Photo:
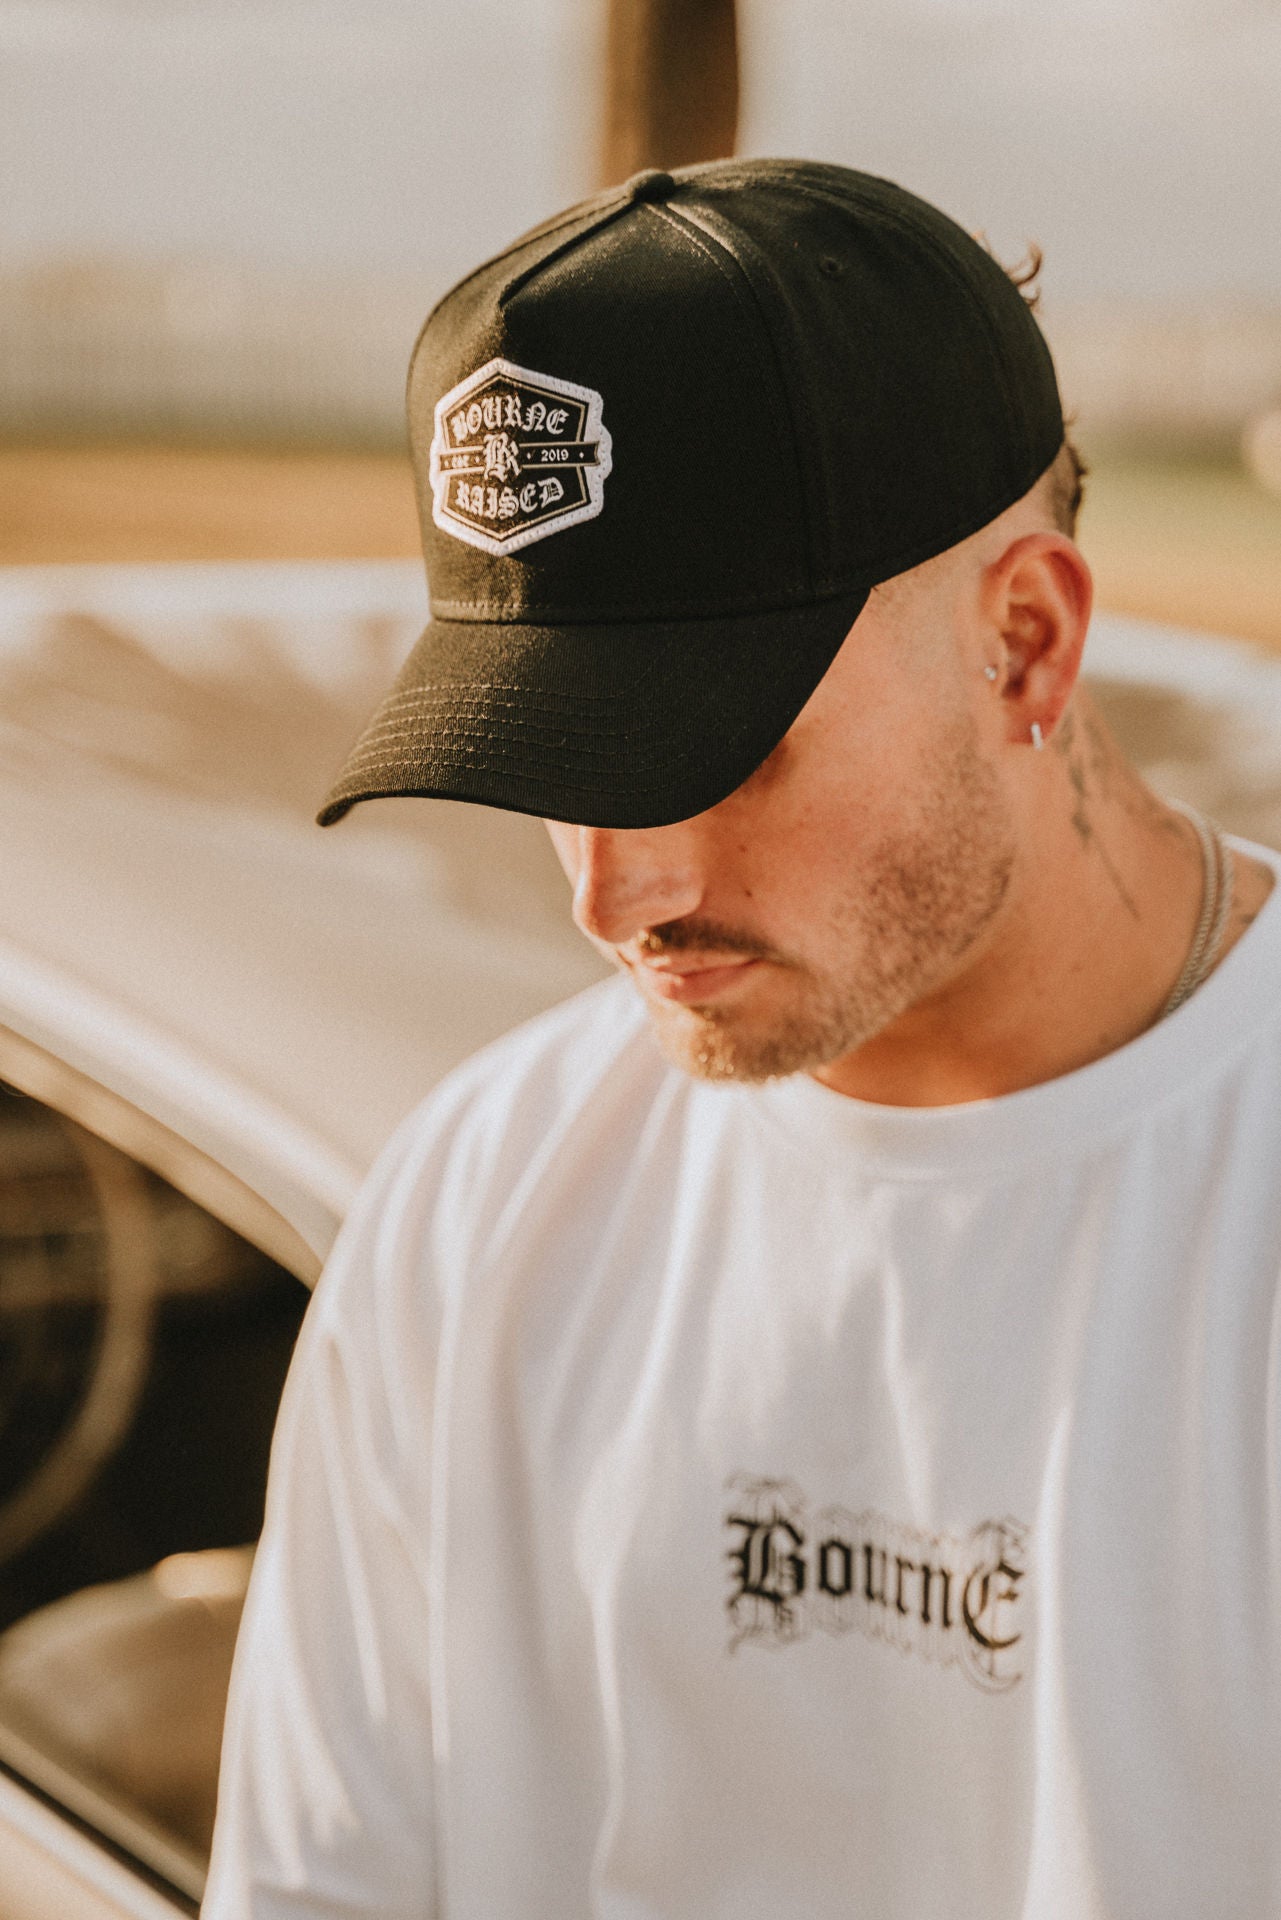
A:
[721, 1503]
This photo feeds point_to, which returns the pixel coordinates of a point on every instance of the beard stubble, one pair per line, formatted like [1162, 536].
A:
[924, 894]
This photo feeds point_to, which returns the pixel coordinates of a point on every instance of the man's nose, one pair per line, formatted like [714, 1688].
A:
[627, 879]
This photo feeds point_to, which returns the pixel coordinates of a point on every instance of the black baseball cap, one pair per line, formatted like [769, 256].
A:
[664, 447]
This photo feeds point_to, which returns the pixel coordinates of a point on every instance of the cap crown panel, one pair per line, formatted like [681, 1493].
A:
[702, 511]
[925, 434]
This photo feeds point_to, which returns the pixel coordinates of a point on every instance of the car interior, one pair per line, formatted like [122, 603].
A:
[143, 1347]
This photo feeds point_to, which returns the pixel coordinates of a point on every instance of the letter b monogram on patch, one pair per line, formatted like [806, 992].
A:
[516, 456]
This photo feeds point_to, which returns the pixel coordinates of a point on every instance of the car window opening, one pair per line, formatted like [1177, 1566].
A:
[143, 1347]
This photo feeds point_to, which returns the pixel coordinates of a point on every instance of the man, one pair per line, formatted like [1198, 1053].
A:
[823, 1463]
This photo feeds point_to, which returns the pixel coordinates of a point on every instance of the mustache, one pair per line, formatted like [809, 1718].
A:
[705, 936]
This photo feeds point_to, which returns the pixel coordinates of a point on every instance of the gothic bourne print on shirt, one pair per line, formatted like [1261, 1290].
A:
[953, 1601]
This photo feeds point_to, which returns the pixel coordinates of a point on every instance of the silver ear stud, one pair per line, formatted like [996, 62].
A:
[1038, 738]
[989, 673]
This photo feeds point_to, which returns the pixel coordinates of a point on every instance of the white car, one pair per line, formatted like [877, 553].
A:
[211, 1016]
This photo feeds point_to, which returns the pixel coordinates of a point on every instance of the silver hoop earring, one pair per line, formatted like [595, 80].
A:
[1038, 738]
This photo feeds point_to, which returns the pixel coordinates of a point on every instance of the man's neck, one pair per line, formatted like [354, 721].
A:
[1097, 925]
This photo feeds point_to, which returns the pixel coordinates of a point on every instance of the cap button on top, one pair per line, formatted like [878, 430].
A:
[651, 185]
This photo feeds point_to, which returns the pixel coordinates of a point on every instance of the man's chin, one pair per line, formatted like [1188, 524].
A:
[722, 1047]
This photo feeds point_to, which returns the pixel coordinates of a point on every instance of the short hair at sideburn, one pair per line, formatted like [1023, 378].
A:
[1065, 478]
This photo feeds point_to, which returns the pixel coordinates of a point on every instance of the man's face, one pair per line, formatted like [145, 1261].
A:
[848, 880]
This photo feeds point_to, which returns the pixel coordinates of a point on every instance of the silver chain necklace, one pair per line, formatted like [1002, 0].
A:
[1216, 902]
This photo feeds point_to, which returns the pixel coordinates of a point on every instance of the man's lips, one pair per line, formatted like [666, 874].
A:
[691, 980]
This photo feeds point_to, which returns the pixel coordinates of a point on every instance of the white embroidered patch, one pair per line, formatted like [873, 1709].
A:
[516, 456]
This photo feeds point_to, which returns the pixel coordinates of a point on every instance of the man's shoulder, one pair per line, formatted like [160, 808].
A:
[529, 1117]
[525, 1097]
[561, 1056]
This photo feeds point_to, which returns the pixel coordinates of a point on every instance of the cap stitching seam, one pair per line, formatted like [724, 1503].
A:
[661, 769]
[523, 711]
[488, 694]
[660, 774]
[514, 712]
[522, 240]
[763, 266]
[540, 721]
[499, 613]
[714, 249]
[604, 218]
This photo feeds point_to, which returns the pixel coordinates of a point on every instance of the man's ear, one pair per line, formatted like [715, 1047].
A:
[1035, 601]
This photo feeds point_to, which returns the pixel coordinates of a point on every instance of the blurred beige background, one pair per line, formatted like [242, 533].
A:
[224, 222]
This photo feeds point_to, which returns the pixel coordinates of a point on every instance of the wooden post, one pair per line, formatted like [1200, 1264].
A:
[671, 84]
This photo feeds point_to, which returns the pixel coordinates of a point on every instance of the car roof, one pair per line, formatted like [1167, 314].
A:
[250, 1005]
[180, 945]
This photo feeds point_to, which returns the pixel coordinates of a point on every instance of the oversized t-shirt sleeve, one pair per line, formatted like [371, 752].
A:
[325, 1798]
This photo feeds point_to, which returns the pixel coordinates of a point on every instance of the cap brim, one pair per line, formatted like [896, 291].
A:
[603, 725]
